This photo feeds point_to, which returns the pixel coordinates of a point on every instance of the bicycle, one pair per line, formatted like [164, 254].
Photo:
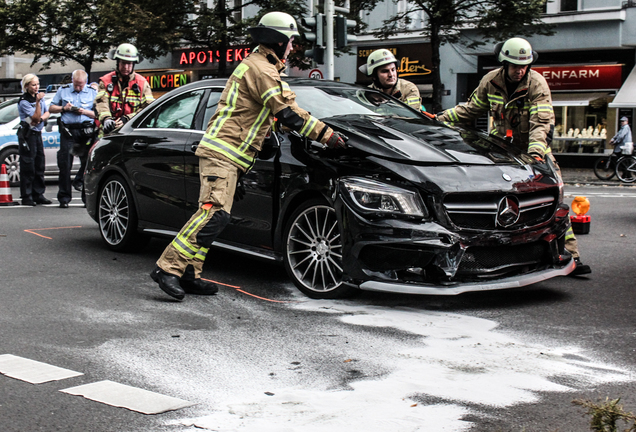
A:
[626, 169]
[605, 166]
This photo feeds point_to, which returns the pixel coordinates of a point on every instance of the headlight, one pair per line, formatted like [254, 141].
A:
[377, 197]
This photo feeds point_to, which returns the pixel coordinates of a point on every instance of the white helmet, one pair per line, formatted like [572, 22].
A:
[517, 51]
[376, 59]
[274, 28]
[126, 52]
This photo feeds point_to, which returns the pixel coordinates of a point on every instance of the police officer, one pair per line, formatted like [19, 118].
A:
[382, 67]
[122, 93]
[33, 115]
[520, 103]
[253, 96]
[77, 127]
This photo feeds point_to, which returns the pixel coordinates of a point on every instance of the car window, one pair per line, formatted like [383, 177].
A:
[177, 113]
[210, 108]
[324, 102]
[8, 111]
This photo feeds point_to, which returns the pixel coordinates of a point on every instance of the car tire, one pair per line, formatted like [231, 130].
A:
[11, 159]
[117, 217]
[313, 251]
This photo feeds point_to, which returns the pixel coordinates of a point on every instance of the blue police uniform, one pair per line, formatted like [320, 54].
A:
[31, 152]
[76, 134]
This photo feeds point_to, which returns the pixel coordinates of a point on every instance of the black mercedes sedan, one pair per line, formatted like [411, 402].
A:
[410, 206]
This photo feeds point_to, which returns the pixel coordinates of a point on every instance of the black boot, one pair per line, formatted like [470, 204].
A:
[169, 283]
[580, 269]
[198, 286]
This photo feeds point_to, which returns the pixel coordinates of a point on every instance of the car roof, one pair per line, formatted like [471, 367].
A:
[304, 82]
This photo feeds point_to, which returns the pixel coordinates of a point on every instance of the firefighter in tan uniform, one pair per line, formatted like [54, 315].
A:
[382, 67]
[520, 102]
[253, 95]
[121, 93]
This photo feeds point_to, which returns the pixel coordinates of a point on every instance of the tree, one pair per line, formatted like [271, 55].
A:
[495, 20]
[59, 31]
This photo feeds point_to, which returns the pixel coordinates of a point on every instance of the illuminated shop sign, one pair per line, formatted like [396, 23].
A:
[201, 58]
[587, 77]
[414, 62]
[167, 81]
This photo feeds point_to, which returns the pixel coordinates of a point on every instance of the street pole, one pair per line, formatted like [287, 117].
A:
[329, 13]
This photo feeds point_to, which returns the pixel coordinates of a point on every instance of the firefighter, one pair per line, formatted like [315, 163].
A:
[382, 67]
[520, 102]
[122, 93]
[253, 96]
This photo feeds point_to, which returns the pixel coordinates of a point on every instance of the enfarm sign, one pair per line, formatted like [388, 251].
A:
[586, 77]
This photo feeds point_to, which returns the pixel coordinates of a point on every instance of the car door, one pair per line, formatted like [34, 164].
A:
[251, 222]
[154, 158]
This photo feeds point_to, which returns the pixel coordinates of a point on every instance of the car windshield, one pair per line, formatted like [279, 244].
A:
[324, 102]
[8, 111]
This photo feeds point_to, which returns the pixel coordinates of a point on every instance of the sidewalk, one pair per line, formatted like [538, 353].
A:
[584, 176]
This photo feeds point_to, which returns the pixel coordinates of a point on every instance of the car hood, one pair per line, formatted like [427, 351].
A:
[422, 141]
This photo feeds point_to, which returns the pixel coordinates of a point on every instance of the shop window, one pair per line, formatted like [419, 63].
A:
[569, 5]
[581, 128]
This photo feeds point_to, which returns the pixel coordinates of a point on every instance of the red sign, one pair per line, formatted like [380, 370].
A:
[315, 74]
[206, 58]
[588, 77]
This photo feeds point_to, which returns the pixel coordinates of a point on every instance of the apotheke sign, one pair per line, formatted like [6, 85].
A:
[208, 59]
[587, 77]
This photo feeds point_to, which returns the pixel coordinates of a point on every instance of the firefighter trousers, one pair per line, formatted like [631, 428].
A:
[218, 185]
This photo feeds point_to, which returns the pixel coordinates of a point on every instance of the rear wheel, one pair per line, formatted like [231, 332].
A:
[604, 168]
[11, 159]
[117, 217]
[313, 251]
[626, 169]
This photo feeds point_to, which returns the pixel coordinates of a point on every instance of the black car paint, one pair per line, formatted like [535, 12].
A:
[388, 149]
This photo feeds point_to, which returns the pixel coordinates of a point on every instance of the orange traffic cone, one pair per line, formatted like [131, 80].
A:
[6, 199]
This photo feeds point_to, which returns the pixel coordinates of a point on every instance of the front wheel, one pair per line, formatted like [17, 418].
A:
[11, 159]
[604, 168]
[313, 251]
[117, 217]
[626, 169]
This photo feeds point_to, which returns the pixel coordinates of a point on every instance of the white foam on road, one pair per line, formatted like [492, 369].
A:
[422, 371]
[459, 361]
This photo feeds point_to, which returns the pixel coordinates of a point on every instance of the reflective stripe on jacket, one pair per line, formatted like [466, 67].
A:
[527, 112]
[406, 92]
[118, 102]
[252, 97]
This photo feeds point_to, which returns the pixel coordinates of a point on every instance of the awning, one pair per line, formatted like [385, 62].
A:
[575, 99]
[626, 97]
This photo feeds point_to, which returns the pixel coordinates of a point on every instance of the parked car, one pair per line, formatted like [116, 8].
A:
[411, 206]
[9, 122]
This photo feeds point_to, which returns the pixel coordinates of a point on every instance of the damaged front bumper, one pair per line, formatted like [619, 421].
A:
[423, 257]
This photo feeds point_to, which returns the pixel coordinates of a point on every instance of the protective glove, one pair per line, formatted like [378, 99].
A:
[109, 125]
[336, 141]
[239, 194]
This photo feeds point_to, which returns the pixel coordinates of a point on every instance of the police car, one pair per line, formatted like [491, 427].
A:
[9, 122]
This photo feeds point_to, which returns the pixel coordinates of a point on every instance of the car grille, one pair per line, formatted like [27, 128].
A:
[479, 211]
[480, 259]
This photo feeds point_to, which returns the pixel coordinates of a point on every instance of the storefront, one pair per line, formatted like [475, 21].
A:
[581, 95]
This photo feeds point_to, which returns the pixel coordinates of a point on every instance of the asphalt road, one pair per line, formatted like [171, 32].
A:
[261, 357]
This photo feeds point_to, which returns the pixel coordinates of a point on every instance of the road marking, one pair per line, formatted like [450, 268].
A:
[132, 398]
[32, 230]
[32, 371]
